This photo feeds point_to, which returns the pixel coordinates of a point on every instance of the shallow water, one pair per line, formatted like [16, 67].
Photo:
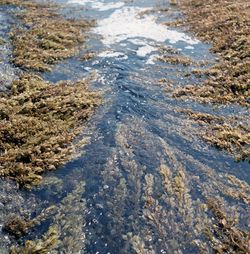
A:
[140, 184]
[7, 72]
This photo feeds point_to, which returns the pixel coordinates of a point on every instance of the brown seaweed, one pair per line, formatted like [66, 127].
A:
[177, 59]
[226, 25]
[44, 37]
[224, 133]
[38, 123]
[45, 245]
[231, 238]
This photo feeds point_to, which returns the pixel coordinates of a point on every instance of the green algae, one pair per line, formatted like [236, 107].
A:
[174, 2]
[21, 225]
[228, 80]
[167, 214]
[224, 24]
[194, 213]
[234, 139]
[17, 226]
[38, 123]
[138, 244]
[87, 56]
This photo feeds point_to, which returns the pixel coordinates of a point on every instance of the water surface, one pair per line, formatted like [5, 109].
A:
[141, 183]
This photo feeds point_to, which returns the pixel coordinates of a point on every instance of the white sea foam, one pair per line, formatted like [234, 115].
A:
[125, 23]
[107, 6]
[82, 2]
[109, 54]
[101, 6]
[152, 59]
[138, 42]
[145, 50]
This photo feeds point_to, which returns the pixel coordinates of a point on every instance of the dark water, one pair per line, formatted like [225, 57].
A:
[140, 184]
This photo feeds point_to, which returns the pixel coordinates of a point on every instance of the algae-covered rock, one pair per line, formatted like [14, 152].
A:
[38, 122]
[175, 60]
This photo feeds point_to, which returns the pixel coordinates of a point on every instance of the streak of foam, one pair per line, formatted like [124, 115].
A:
[145, 50]
[110, 54]
[152, 59]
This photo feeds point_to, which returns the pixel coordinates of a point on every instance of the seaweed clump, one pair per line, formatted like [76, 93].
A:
[234, 139]
[38, 122]
[226, 25]
[229, 239]
[45, 245]
[45, 37]
[175, 60]
[2, 41]
[17, 226]
[66, 231]
[225, 134]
